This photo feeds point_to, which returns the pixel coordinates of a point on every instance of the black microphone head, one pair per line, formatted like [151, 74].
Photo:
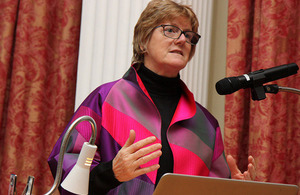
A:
[228, 85]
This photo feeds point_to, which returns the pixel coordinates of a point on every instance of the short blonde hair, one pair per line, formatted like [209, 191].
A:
[156, 12]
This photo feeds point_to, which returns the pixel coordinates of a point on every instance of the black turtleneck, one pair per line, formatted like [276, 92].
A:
[165, 93]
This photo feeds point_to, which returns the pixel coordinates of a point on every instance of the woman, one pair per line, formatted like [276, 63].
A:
[148, 121]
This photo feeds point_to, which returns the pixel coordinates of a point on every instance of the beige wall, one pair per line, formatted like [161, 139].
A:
[218, 59]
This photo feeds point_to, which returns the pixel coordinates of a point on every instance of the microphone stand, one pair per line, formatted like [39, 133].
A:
[275, 89]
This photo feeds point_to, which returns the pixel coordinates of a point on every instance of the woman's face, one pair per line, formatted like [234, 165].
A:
[166, 56]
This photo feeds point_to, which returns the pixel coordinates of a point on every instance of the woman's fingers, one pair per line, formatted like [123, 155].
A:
[146, 150]
[140, 144]
[130, 139]
[128, 161]
[252, 168]
[145, 170]
[148, 157]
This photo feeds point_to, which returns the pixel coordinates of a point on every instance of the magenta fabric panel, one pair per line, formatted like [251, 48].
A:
[84, 128]
[127, 99]
[219, 147]
[187, 139]
[187, 162]
[120, 131]
[219, 168]
[186, 107]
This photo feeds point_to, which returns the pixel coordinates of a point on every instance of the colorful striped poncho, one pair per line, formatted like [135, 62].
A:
[117, 107]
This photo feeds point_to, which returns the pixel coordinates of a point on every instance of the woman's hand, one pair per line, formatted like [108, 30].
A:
[250, 174]
[126, 164]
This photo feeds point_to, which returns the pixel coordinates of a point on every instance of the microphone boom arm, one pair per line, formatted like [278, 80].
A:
[275, 89]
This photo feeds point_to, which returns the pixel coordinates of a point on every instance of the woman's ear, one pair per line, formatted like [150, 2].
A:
[142, 48]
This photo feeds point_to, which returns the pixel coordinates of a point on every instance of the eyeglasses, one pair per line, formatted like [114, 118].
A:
[174, 32]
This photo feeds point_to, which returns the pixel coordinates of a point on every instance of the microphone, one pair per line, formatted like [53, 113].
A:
[255, 79]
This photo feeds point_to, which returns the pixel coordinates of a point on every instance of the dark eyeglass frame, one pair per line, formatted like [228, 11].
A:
[196, 35]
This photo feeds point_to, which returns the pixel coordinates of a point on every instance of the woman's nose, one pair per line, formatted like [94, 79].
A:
[181, 39]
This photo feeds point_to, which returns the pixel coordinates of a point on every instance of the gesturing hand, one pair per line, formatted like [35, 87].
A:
[250, 174]
[126, 164]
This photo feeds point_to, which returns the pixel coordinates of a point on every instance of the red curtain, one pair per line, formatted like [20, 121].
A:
[263, 34]
[39, 43]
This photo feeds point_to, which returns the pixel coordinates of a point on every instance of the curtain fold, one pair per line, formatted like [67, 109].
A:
[263, 34]
[39, 43]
